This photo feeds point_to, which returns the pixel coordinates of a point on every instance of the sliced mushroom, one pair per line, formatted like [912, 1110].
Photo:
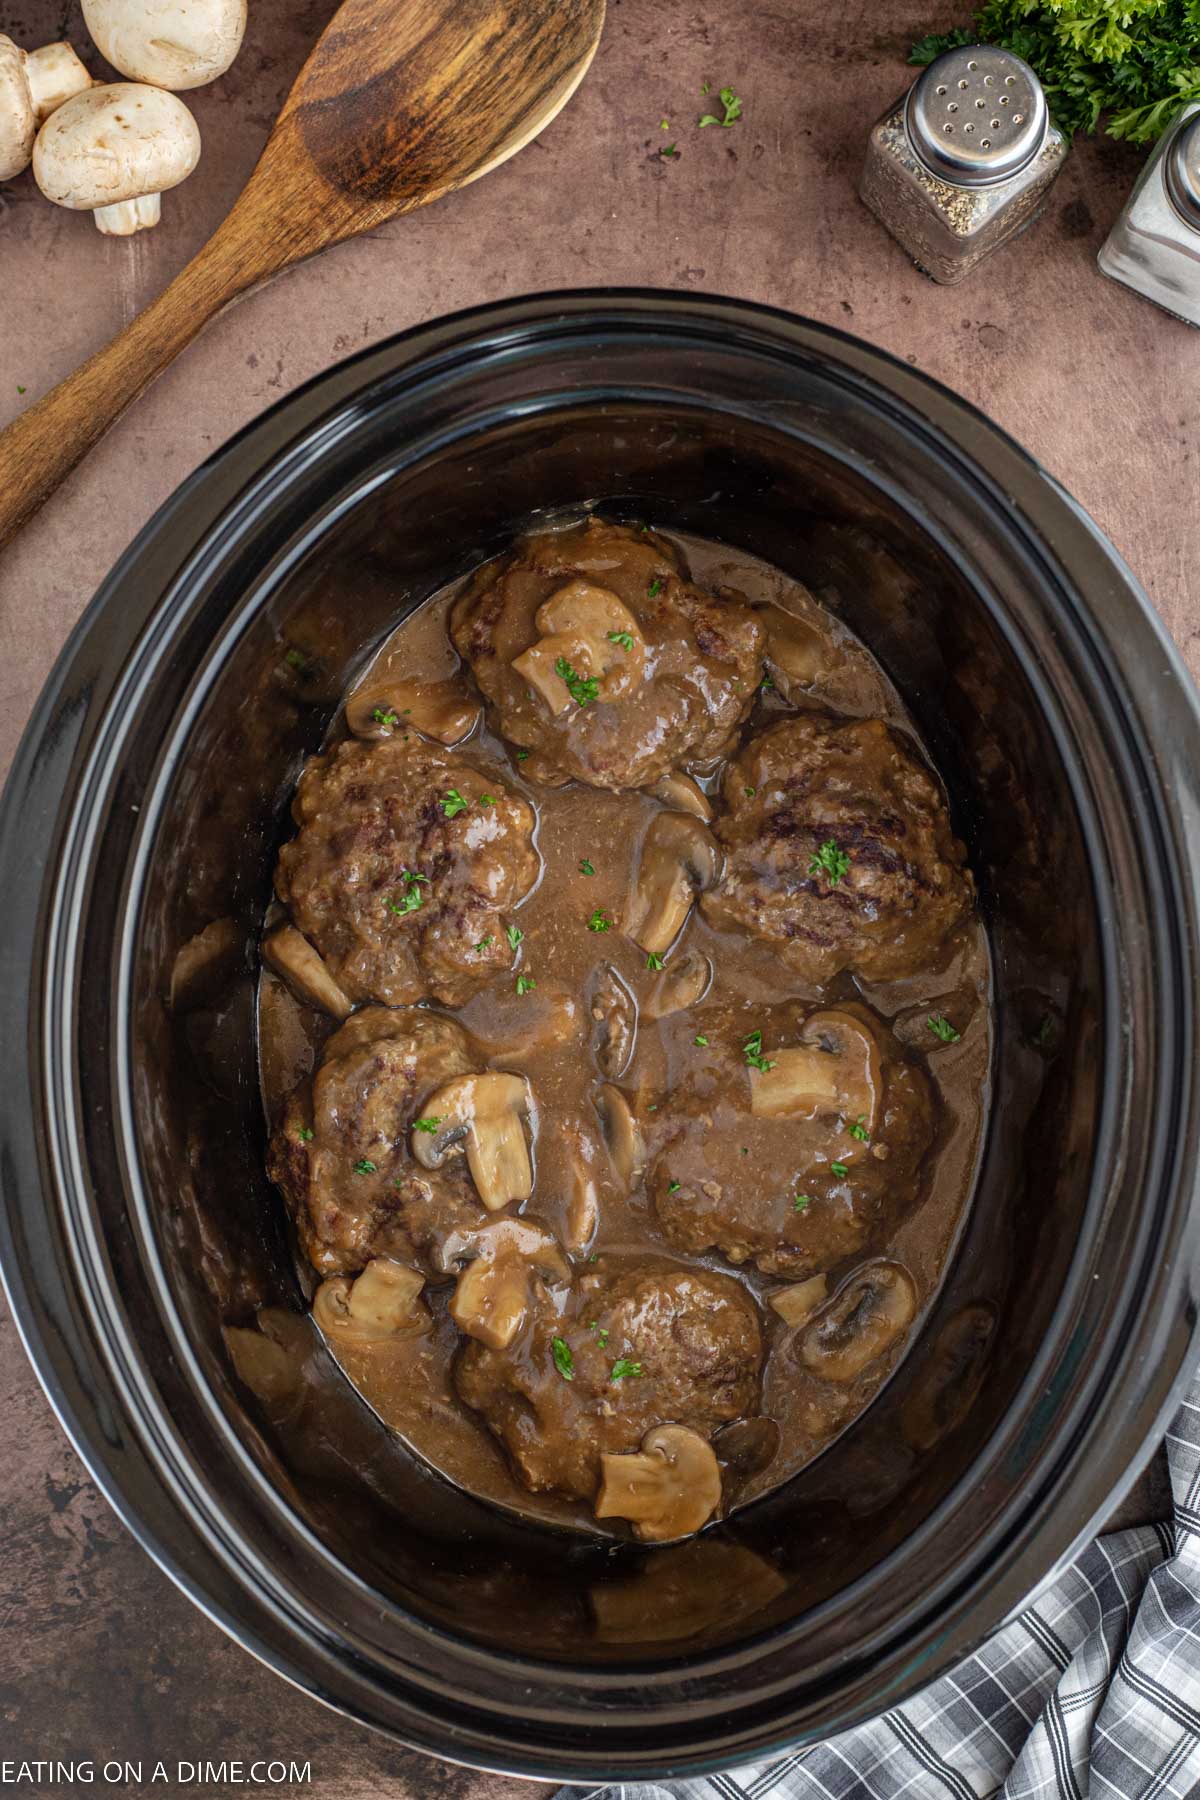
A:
[667, 1489]
[835, 1068]
[485, 1115]
[614, 1015]
[204, 964]
[622, 1135]
[583, 1191]
[798, 654]
[264, 1366]
[441, 710]
[379, 1303]
[682, 794]
[747, 1446]
[874, 1308]
[492, 1294]
[679, 860]
[594, 632]
[295, 961]
[682, 983]
[800, 1301]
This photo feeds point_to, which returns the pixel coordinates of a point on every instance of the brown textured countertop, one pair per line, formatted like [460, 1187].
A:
[102, 1657]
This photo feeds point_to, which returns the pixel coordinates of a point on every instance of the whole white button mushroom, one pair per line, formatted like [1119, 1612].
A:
[33, 83]
[173, 44]
[113, 151]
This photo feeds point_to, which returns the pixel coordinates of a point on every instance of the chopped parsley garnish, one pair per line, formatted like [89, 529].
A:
[383, 715]
[654, 961]
[655, 588]
[410, 900]
[295, 659]
[664, 124]
[767, 684]
[364, 1166]
[802, 1202]
[582, 688]
[623, 1367]
[838, 1169]
[859, 1130]
[20, 389]
[429, 1125]
[305, 1134]
[733, 109]
[705, 87]
[521, 755]
[484, 942]
[624, 638]
[752, 1050]
[598, 922]
[525, 984]
[514, 936]
[749, 792]
[486, 800]
[830, 862]
[453, 803]
[585, 867]
[600, 1331]
[673, 1187]
[668, 150]
[941, 1028]
[701, 1040]
[564, 1362]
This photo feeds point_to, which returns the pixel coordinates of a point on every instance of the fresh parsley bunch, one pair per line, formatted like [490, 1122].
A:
[1132, 62]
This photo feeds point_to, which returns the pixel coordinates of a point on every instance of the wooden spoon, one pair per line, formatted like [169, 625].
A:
[400, 101]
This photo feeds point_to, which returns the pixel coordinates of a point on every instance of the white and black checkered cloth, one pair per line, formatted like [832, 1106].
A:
[1093, 1693]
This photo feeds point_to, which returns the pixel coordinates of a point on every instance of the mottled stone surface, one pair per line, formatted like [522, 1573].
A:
[101, 1657]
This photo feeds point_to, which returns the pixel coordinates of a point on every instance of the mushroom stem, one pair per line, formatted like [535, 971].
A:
[667, 1489]
[128, 216]
[53, 74]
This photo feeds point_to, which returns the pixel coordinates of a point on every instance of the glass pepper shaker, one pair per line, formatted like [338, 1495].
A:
[1154, 247]
[964, 160]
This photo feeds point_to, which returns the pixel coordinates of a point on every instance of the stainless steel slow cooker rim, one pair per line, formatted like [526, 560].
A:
[369, 355]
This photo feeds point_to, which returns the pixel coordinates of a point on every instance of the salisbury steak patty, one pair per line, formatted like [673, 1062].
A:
[406, 861]
[637, 1346]
[793, 1137]
[341, 1152]
[839, 851]
[600, 657]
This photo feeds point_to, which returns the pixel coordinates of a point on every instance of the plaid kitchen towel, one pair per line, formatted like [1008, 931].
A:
[1091, 1694]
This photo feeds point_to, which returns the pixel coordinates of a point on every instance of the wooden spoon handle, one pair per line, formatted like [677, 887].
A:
[39, 449]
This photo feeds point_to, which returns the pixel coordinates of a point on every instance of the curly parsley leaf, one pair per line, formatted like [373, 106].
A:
[623, 1368]
[564, 1362]
[830, 862]
[583, 689]
[942, 1029]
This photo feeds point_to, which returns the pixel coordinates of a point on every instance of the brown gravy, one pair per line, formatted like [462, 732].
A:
[408, 1381]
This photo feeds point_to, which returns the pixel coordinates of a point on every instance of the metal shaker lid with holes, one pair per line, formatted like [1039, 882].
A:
[976, 116]
[1181, 170]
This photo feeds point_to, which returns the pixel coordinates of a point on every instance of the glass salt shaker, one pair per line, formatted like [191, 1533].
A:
[964, 160]
[1154, 247]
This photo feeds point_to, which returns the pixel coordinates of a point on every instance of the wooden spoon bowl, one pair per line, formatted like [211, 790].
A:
[400, 102]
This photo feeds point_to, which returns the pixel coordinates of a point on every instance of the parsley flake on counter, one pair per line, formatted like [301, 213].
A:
[598, 922]
[585, 867]
[364, 1166]
[564, 1362]
[733, 110]
[802, 1202]
[623, 1367]
[429, 1125]
[859, 1130]
[654, 961]
[942, 1029]
[838, 1169]
[20, 389]
[453, 803]
[525, 984]
[583, 689]
[673, 1187]
[514, 935]
[484, 942]
[701, 1040]
[655, 588]
[383, 715]
[668, 150]
[706, 87]
[305, 1134]
[830, 862]
[623, 638]
[752, 1050]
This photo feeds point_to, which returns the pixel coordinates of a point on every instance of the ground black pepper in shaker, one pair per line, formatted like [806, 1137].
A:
[964, 160]
[1154, 247]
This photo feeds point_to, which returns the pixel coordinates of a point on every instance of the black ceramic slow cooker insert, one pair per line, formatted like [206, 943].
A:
[146, 806]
